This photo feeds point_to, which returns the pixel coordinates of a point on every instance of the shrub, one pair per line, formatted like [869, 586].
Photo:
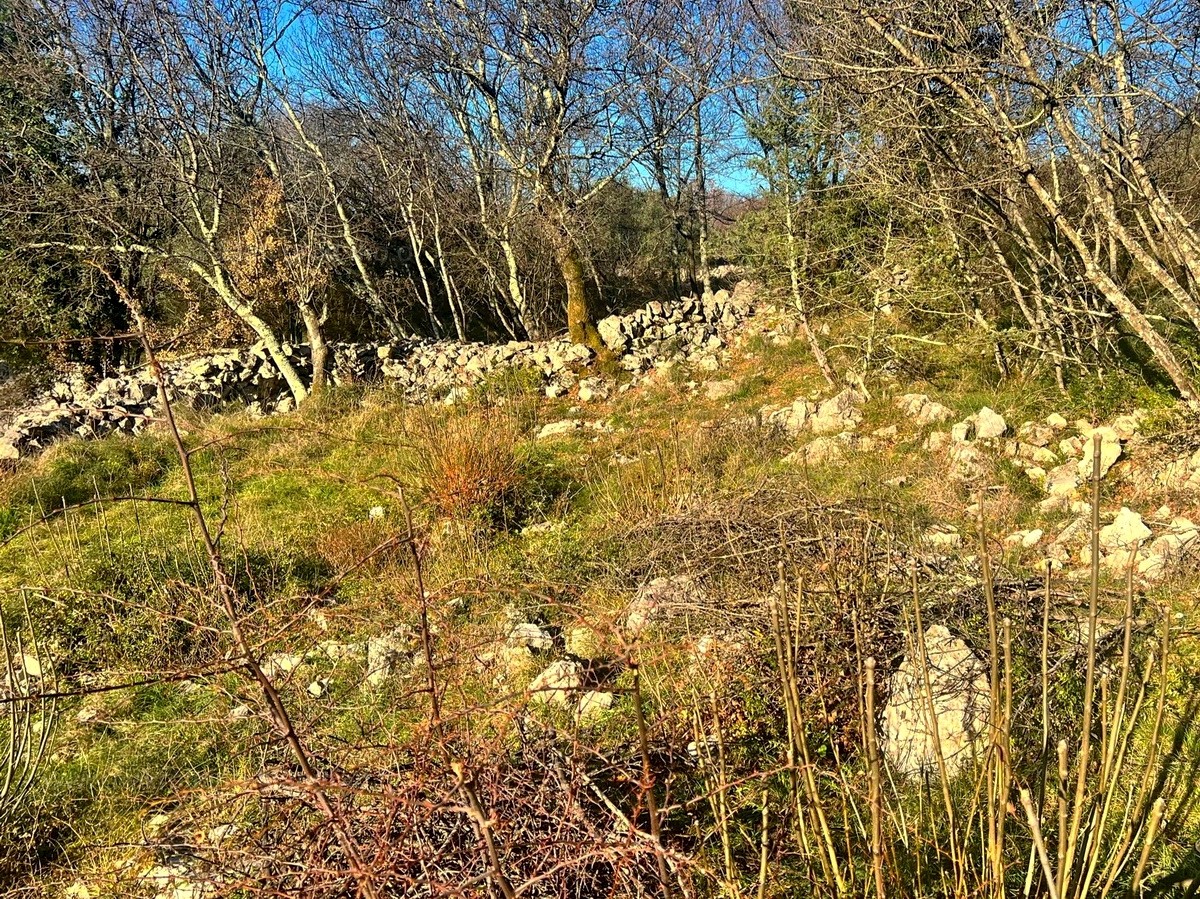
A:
[466, 463]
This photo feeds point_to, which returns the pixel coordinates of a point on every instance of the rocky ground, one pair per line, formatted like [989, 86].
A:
[693, 467]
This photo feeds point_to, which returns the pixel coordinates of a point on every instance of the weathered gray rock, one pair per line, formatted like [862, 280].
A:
[1063, 480]
[1126, 530]
[1110, 451]
[720, 390]
[557, 683]
[924, 411]
[840, 413]
[593, 390]
[530, 635]
[961, 700]
[592, 705]
[792, 418]
[963, 432]
[385, 652]
[559, 429]
[989, 424]
[421, 370]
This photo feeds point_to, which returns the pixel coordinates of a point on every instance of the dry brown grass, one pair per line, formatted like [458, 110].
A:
[465, 463]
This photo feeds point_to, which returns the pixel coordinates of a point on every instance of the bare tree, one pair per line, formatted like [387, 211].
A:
[1038, 113]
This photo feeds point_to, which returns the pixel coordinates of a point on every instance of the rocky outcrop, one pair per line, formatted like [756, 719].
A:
[656, 336]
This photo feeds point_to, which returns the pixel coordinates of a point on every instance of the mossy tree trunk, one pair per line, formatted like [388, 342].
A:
[581, 319]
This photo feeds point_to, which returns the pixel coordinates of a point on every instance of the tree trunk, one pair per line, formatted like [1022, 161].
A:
[814, 345]
[702, 209]
[581, 324]
[317, 347]
[515, 295]
[270, 340]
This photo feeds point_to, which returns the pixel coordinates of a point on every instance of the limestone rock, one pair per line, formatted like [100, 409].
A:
[963, 432]
[989, 424]
[1024, 539]
[720, 390]
[1126, 530]
[1110, 451]
[557, 683]
[942, 537]
[924, 411]
[592, 705]
[559, 429]
[840, 413]
[593, 390]
[530, 635]
[384, 653]
[792, 418]
[583, 642]
[281, 664]
[961, 699]
[937, 441]
[1063, 480]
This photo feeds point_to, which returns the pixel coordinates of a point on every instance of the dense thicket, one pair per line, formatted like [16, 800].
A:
[496, 168]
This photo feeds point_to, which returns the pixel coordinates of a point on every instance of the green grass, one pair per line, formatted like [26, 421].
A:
[122, 592]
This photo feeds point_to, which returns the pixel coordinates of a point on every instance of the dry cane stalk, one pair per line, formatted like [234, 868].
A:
[648, 781]
[876, 787]
[791, 694]
[1089, 684]
[958, 862]
[764, 843]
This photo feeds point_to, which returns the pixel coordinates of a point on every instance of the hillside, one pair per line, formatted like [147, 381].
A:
[611, 627]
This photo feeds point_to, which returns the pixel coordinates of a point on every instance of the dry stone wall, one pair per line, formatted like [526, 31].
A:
[689, 330]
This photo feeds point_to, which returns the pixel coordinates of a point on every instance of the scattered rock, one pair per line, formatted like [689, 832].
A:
[1063, 480]
[531, 636]
[384, 653]
[989, 424]
[583, 642]
[720, 390]
[924, 411]
[593, 390]
[838, 414]
[963, 432]
[1110, 451]
[942, 537]
[961, 700]
[32, 666]
[1024, 539]
[1126, 530]
[792, 418]
[592, 706]
[281, 664]
[557, 683]
[559, 428]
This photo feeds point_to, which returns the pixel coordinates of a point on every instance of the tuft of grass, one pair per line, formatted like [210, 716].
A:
[465, 464]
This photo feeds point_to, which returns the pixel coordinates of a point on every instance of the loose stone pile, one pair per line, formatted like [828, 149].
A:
[652, 338]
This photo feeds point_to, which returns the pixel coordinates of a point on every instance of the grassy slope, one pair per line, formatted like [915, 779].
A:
[119, 590]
